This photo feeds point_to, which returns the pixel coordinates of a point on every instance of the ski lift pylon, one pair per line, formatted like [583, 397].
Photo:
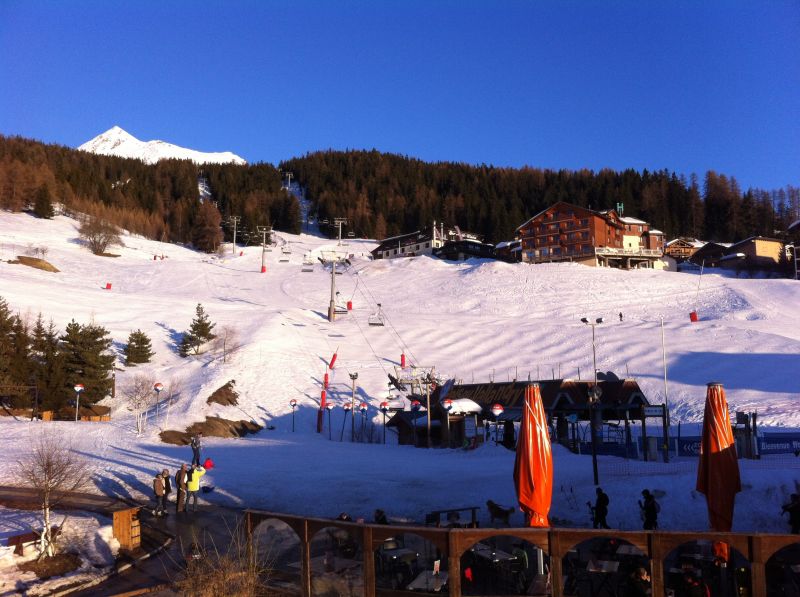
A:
[377, 318]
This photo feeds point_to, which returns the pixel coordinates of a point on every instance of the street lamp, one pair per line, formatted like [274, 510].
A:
[594, 396]
[329, 406]
[415, 406]
[293, 404]
[363, 408]
[78, 389]
[157, 387]
[347, 408]
[384, 410]
[353, 378]
[448, 406]
[497, 410]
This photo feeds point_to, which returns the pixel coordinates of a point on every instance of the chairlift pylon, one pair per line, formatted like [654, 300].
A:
[377, 318]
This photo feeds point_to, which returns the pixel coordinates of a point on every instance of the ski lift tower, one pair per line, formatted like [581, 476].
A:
[264, 231]
[333, 260]
[419, 377]
[338, 223]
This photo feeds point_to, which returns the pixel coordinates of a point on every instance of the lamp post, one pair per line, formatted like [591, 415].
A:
[78, 389]
[497, 410]
[415, 406]
[447, 404]
[293, 404]
[363, 408]
[353, 378]
[329, 406]
[594, 395]
[384, 410]
[157, 387]
[347, 409]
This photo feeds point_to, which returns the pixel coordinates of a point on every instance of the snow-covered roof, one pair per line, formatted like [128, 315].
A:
[628, 220]
[654, 231]
[465, 406]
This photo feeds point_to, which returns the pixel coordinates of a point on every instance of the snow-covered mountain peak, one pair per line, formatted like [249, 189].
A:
[118, 142]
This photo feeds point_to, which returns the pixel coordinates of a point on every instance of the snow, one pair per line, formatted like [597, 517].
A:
[472, 320]
[86, 534]
[118, 142]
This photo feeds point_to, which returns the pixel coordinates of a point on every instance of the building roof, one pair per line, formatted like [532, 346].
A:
[693, 242]
[572, 205]
[755, 238]
[628, 220]
[654, 232]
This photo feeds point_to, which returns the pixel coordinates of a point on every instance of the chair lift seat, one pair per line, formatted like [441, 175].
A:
[377, 318]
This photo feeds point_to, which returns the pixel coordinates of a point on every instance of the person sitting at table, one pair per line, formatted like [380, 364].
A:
[639, 584]
[453, 520]
[694, 587]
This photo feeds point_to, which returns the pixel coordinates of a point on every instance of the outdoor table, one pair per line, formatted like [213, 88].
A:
[607, 568]
[428, 581]
[488, 553]
[629, 550]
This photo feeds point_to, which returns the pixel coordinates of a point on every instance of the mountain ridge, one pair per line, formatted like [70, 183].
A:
[118, 142]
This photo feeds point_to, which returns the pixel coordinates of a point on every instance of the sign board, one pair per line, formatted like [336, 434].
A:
[652, 411]
[689, 446]
[779, 443]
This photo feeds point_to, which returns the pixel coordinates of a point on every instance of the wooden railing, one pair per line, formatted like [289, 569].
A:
[555, 542]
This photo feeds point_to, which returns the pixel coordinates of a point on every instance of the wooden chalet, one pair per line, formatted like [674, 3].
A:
[459, 250]
[565, 401]
[756, 252]
[709, 254]
[421, 242]
[682, 248]
[566, 232]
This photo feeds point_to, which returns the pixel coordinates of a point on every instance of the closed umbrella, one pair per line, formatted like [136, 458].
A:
[533, 466]
[718, 470]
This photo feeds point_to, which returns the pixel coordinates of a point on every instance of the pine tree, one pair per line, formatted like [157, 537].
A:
[198, 334]
[86, 360]
[138, 349]
[206, 232]
[48, 366]
[43, 204]
[6, 341]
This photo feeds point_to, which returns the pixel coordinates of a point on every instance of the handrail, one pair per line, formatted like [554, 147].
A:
[757, 548]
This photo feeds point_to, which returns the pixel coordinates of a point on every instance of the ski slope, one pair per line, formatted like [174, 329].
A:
[476, 320]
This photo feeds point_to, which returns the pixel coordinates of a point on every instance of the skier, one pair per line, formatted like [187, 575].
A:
[180, 486]
[600, 510]
[620, 315]
[158, 494]
[195, 444]
[649, 510]
[793, 508]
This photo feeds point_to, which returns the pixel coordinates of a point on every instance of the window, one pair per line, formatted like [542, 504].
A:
[585, 235]
[416, 248]
[545, 252]
[585, 222]
[427, 245]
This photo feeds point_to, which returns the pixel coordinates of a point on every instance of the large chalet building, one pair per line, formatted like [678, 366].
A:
[426, 242]
[566, 232]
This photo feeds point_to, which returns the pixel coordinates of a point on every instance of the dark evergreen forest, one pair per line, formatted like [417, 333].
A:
[384, 195]
[159, 201]
[380, 194]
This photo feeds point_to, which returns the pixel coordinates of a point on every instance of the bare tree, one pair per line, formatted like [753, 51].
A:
[139, 395]
[53, 469]
[99, 234]
[227, 341]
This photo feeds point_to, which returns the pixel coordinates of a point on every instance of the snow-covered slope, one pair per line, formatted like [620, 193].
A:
[116, 141]
[473, 320]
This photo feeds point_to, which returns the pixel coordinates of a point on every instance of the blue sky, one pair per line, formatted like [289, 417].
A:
[688, 86]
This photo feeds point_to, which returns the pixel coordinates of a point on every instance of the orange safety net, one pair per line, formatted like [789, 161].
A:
[533, 466]
[718, 471]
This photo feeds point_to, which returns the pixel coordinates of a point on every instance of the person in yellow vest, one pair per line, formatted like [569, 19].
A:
[193, 485]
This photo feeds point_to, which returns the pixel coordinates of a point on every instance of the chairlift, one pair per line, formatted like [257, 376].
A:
[351, 234]
[377, 318]
[285, 255]
[308, 264]
[340, 306]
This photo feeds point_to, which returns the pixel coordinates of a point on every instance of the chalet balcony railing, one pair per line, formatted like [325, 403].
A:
[615, 252]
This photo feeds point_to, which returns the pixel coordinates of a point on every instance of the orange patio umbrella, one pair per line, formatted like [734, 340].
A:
[533, 467]
[718, 470]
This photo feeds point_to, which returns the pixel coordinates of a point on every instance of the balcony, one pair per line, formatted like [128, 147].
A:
[617, 252]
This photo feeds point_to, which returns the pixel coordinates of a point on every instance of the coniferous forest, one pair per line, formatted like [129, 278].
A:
[380, 194]
[384, 195]
[159, 201]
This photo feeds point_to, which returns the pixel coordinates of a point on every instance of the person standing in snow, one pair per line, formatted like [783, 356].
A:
[649, 509]
[167, 490]
[194, 442]
[180, 486]
[620, 315]
[158, 494]
[193, 486]
[793, 508]
[600, 510]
